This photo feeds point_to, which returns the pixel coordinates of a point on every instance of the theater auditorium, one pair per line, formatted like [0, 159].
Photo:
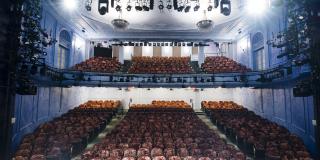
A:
[159, 79]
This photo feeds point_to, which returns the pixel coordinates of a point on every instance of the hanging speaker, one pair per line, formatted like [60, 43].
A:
[216, 3]
[103, 6]
[151, 4]
[112, 3]
[175, 4]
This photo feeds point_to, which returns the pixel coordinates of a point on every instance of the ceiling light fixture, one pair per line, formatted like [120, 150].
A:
[255, 7]
[205, 25]
[225, 7]
[120, 24]
[103, 6]
[70, 4]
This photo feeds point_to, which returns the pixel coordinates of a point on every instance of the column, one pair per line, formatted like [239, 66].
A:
[121, 54]
[201, 55]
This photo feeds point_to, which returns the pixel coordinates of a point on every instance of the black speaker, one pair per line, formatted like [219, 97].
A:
[112, 3]
[175, 4]
[151, 4]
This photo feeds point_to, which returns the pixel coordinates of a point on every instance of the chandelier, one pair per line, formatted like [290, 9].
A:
[120, 24]
[205, 25]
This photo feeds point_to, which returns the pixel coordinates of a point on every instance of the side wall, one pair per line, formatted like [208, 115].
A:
[80, 49]
[31, 111]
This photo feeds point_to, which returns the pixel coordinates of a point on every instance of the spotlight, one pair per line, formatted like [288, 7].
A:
[118, 8]
[196, 8]
[88, 5]
[161, 5]
[180, 9]
[145, 8]
[138, 7]
[225, 7]
[255, 7]
[129, 8]
[210, 8]
[103, 6]
[187, 9]
[216, 3]
[70, 4]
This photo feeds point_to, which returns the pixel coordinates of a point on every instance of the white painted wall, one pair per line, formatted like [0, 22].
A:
[166, 51]
[186, 51]
[128, 52]
[147, 51]
[145, 96]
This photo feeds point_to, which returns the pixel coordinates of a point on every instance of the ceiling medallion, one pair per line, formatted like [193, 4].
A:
[205, 25]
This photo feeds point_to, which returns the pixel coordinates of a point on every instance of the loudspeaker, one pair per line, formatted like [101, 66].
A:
[175, 4]
[151, 4]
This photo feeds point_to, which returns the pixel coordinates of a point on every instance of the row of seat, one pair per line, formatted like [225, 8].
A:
[160, 135]
[99, 64]
[160, 65]
[221, 64]
[65, 136]
[162, 105]
[254, 134]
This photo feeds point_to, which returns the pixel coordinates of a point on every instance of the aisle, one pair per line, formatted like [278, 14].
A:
[114, 122]
[207, 121]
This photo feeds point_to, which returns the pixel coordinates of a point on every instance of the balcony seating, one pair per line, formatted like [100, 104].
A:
[166, 134]
[221, 64]
[160, 65]
[254, 134]
[98, 64]
[67, 136]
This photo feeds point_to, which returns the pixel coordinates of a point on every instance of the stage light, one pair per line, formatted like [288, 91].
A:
[118, 8]
[129, 8]
[169, 4]
[103, 7]
[196, 8]
[70, 4]
[255, 7]
[88, 5]
[210, 8]
[225, 7]
[180, 9]
[187, 9]
[145, 8]
[161, 5]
